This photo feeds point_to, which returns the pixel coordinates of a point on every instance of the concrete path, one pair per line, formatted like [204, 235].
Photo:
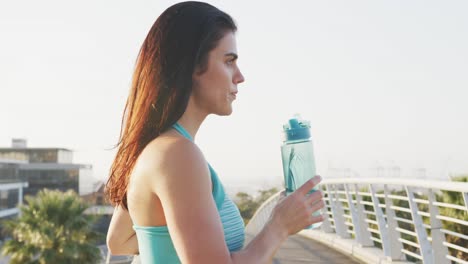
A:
[300, 250]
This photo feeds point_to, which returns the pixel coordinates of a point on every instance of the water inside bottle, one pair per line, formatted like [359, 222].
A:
[299, 168]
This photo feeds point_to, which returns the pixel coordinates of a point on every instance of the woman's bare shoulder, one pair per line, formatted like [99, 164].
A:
[170, 155]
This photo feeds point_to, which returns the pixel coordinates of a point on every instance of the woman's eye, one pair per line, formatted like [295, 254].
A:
[230, 62]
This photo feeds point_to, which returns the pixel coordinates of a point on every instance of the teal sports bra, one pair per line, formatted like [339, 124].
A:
[155, 243]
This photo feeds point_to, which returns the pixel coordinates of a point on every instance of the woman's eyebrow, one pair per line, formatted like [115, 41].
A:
[232, 54]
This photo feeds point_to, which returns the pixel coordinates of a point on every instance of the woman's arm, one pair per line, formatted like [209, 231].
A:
[121, 238]
[183, 185]
[291, 215]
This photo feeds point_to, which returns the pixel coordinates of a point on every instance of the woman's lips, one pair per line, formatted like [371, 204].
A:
[234, 95]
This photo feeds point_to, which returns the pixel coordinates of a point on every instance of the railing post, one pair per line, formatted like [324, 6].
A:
[360, 226]
[393, 234]
[108, 256]
[362, 217]
[383, 229]
[338, 212]
[438, 238]
[465, 199]
[425, 246]
[326, 225]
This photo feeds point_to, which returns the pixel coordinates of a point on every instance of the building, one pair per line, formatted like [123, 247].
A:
[26, 171]
[51, 168]
[11, 195]
[97, 196]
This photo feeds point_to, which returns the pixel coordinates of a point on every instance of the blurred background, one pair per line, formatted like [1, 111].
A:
[384, 85]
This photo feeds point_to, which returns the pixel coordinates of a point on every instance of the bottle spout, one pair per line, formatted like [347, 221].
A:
[296, 129]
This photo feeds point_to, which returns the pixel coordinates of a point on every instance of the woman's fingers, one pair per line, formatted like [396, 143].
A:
[317, 205]
[298, 210]
[309, 185]
[314, 197]
[315, 219]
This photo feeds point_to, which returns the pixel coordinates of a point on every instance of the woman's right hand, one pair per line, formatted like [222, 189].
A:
[294, 212]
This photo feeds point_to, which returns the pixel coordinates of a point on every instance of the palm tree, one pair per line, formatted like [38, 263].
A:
[52, 228]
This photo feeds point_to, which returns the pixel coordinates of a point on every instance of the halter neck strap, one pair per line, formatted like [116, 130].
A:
[182, 131]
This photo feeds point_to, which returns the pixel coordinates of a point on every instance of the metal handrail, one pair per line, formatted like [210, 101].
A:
[431, 184]
[404, 218]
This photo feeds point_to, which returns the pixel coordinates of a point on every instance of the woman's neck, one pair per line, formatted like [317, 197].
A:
[191, 121]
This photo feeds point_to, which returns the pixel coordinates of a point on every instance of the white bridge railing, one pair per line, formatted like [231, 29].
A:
[406, 220]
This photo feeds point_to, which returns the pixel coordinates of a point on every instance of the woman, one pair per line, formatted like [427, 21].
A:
[160, 182]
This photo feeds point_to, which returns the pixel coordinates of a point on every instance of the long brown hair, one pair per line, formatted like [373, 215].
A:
[177, 44]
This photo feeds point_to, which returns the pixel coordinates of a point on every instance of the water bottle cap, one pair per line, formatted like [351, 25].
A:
[296, 129]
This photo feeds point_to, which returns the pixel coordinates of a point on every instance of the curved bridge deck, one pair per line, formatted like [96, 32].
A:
[300, 250]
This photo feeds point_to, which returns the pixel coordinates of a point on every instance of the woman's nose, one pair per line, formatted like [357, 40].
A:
[239, 78]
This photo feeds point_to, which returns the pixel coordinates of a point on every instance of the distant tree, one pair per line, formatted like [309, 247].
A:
[455, 198]
[248, 205]
[52, 228]
[265, 194]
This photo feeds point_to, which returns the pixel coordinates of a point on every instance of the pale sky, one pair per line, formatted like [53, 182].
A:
[384, 83]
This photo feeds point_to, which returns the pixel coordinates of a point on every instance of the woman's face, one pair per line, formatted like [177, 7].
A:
[215, 89]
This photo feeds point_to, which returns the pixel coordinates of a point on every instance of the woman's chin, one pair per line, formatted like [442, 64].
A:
[225, 112]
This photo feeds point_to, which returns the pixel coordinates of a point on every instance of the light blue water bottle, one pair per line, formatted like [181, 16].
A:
[298, 156]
